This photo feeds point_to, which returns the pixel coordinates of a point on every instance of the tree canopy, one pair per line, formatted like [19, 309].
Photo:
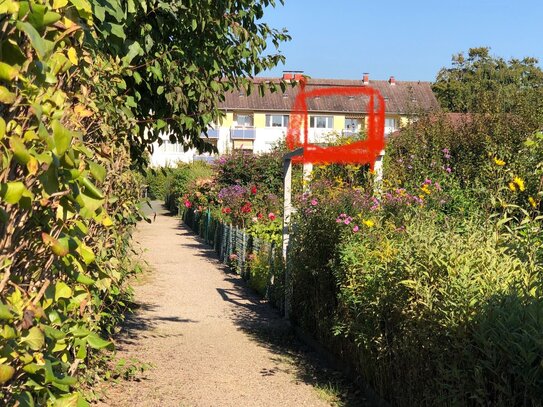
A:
[480, 82]
[183, 55]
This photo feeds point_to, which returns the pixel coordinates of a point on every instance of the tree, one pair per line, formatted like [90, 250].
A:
[79, 82]
[183, 56]
[481, 83]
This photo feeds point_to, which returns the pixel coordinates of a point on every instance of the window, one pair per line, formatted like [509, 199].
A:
[277, 120]
[390, 123]
[244, 120]
[321, 122]
[352, 124]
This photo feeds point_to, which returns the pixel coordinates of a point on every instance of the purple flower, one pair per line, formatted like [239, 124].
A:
[427, 181]
[445, 151]
[410, 167]
[448, 169]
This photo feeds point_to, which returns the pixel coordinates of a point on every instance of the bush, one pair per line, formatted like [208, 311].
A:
[421, 305]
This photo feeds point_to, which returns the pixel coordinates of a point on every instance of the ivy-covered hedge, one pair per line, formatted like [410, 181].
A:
[85, 88]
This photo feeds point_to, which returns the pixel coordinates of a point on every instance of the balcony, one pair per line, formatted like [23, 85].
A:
[212, 134]
[243, 133]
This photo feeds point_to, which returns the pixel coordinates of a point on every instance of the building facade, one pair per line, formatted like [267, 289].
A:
[256, 123]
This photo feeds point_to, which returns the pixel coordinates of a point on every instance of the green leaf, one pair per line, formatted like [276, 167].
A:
[83, 8]
[86, 253]
[117, 30]
[2, 128]
[98, 171]
[133, 51]
[62, 136]
[90, 189]
[51, 17]
[6, 96]
[5, 312]
[7, 72]
[6, 373]
[96, 342]
[19, 150]
[12, 191]
[67, 401]
[8, 7]
[34, 338]
[58, 247]
[53, 333]
[62, 291]
[36, 41]
[26, 400]
[83, 279]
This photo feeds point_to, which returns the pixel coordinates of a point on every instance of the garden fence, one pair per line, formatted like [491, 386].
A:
[257, 261]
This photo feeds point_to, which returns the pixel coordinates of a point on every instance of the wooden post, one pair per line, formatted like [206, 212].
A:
[287, 212]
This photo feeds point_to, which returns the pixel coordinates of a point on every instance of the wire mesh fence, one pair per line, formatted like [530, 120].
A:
[257, 261]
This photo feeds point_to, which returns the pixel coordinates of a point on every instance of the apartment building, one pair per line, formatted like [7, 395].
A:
[255, 123]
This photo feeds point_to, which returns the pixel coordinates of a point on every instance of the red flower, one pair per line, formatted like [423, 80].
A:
[226, 210]
[271, 216]
[246, 208]
[259, 216]
[253, 190]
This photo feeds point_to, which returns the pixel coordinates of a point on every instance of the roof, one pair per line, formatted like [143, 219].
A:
[404, 97]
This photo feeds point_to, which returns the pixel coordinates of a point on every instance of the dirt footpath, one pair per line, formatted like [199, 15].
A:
[211, 341]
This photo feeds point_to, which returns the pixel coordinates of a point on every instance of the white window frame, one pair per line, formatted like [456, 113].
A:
[392, 120]
[329, 122]
[250, 115]
[284, 120]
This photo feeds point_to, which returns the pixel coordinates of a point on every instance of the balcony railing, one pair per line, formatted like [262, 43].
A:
[212, 133]
[243, 133]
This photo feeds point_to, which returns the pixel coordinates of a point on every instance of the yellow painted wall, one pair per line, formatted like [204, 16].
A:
[259, 120]
[228, 121]
[339, 123]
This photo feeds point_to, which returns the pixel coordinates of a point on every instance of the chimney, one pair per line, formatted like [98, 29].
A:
[392, 80]
[287, 76]
[366, 78]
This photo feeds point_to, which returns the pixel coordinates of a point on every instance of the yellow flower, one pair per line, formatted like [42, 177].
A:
[499, 162]
[425, 189]
[532, 202]
[369, 223]
[520, 183]
[512, 187]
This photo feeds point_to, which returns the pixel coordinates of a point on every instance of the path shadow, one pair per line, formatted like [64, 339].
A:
[141, 322]
[264, 324]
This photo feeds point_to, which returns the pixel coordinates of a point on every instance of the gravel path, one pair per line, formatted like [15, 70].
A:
[211, 341]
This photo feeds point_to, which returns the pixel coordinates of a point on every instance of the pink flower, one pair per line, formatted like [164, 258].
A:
[314, 202]
[356, 228]
[271, 216]
[448, 169]
[187, 204]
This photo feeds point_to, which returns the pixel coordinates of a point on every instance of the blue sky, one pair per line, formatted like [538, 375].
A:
[411, 40]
